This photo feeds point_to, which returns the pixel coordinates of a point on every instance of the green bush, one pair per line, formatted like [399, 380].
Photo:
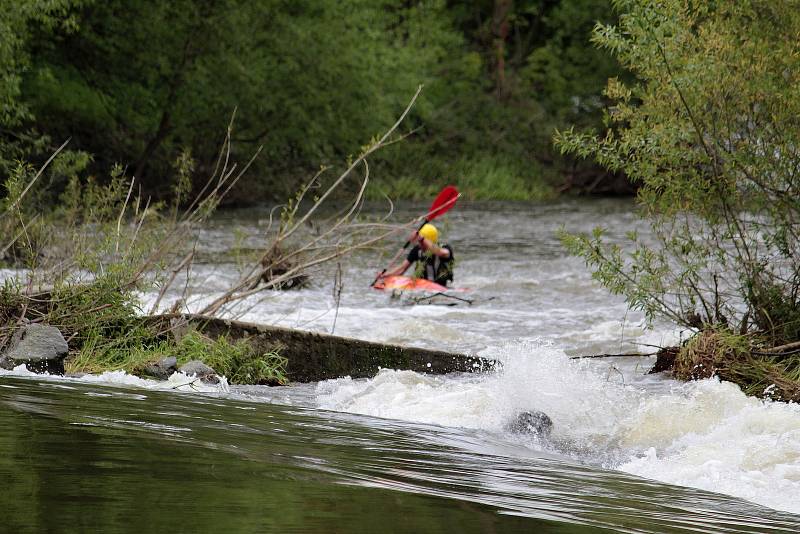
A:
[238, 361]
[710, 131]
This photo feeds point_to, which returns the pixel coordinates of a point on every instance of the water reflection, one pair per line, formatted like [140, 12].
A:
[76, 461]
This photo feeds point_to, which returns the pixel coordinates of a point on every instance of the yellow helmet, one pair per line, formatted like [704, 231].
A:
[429, 232]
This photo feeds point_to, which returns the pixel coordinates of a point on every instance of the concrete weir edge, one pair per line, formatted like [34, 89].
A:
[315, 356]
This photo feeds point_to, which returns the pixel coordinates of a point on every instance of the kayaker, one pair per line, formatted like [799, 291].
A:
[431, 261]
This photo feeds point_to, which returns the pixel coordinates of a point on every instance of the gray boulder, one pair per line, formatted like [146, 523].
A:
[40, 347]
[534, 423]
[163, 368]
[200, 370]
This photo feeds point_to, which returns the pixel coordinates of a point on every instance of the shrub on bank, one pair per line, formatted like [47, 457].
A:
[740, 359]
[709, 131]
[106, 332]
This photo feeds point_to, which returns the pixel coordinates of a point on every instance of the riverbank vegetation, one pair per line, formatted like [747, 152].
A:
[112, 115]
[139, 82]
[84, 265]
[709, 130]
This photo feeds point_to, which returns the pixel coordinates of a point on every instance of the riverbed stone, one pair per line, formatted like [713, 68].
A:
[534, 422]
[42, 348]
[163, 368]
[200, 370]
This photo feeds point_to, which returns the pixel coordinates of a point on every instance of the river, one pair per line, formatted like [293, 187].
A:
[405, 452]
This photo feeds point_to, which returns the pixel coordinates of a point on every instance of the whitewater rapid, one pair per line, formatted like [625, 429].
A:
[706, 434]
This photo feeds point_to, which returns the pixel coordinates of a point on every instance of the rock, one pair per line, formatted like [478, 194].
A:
[40, 347]
[163, 368]
[534, 423]
[665, 360]
[76, 375]
[201, 371]
[274, 265]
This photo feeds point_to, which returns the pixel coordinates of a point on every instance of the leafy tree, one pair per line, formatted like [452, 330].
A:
[522, 69]
[16, 19]
[710, 130]
[311, 80]
[140, 82]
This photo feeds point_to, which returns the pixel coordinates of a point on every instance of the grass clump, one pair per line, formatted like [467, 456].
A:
[710, 352]
[737, 358]
[142, 346]
[238, 360]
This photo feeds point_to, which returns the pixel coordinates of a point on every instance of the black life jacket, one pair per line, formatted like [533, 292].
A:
[433, 267]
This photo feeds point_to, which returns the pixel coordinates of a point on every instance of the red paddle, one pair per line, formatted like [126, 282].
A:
[443, 202]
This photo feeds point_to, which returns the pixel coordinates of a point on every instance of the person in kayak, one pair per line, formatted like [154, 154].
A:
[431, 261]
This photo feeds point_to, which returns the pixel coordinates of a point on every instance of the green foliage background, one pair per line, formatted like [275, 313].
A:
[710, 131]
[138, 82]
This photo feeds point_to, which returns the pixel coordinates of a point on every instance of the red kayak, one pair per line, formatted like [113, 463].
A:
[420, 291]
[407, 283]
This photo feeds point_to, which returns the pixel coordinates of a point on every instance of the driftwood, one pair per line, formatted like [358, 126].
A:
[665, 359]
[274, 270]
[782, 350]
[624, 355]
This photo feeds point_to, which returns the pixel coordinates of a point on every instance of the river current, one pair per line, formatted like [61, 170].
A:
[404, 451]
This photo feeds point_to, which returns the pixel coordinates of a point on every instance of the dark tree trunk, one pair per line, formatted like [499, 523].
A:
[164, 124]
[500, 31]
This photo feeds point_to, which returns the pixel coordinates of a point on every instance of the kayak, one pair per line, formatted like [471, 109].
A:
[421, 291]
[407, 283]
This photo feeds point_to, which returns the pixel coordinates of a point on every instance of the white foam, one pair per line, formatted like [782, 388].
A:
[575, 397]
[19, 370]
[413, 397]
[705, 434]
[709, 435]
[176, 382]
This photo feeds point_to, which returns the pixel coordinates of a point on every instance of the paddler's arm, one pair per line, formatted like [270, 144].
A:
[435, 249]
[400, 270]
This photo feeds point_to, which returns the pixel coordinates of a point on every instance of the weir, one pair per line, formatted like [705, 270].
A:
[313, 356]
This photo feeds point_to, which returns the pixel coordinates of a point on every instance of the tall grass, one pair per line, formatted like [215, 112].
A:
[478, 177]
[734, 357]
